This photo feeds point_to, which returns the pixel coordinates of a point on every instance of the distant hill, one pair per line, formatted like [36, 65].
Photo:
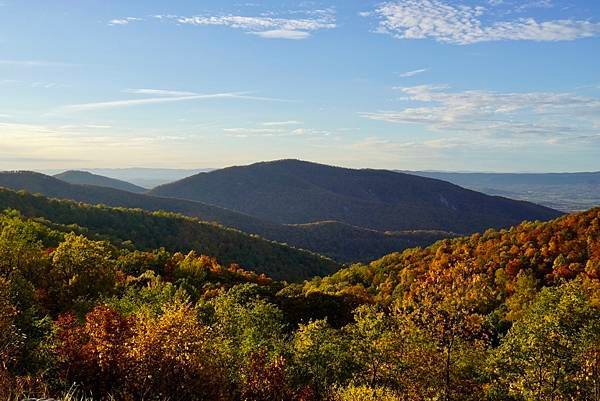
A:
[562, 191]
[148, 177]
[339, 241]
[174, 232]
[296, 192]
[87, 178]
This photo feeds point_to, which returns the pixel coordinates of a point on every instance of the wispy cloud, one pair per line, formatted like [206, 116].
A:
[265, 26]
[392, 146]
[270, 131]
[501, 115]
[159, 92]
[462, 24]
[282, 34]
[280, 123]
[166, 96]
[123, 21]
[408, 74]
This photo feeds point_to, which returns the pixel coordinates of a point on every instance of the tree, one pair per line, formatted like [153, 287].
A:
[552, 352]
[94, 355]
[365, 393]
[448, 306]
[173, 357]
[322, 357]
[11, 339]
[20, 249]
[82, 270]
[376, 345]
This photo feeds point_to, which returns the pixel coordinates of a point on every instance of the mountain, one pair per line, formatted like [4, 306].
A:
[563, 191]
[297, 192]
[174, 232]
[339, 241]
[87, 178]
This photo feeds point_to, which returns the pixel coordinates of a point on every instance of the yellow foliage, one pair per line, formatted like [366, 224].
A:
[364, 393]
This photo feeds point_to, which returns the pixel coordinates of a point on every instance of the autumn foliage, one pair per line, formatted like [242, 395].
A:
[504, 315]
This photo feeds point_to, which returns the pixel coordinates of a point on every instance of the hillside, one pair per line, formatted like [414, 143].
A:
[340, 241]
[296, 192]
[504, 315]
[175, 233]
[550, 252]
[86, 178]
[563, 191]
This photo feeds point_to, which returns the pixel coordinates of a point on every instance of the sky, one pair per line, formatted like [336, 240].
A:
[488, 85]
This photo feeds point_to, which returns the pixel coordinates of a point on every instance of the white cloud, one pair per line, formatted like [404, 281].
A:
[269, 27]
[245, 131]
[269, 131]
[279, 123]
[496, 114]
[159, 92]
[392, 146]
[462, 24]
[167, 97]
[408, 74]
[123, 21]
[282, 34]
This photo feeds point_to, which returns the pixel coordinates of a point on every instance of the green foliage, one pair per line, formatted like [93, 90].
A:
[322, 354]
[174, 232]
[499, 316]
[546, 354]
[82, 271]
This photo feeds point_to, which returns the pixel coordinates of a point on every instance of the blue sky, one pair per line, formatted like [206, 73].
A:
[489, 85]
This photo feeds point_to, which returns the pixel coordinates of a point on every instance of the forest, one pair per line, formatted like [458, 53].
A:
[503, 315]
[341, 242]
[145, 230]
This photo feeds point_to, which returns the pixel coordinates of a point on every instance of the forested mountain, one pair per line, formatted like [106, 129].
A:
[148, 230]
[563, 191]
[86, 178]
[342, 242]
[503, 315]
[293, 191]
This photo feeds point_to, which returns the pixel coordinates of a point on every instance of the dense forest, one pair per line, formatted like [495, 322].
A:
[297, 192]
[339, 241]
[503, 315]
[136, 228]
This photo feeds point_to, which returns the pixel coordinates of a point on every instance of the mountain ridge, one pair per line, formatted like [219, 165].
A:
[298, 192]
[344, 244]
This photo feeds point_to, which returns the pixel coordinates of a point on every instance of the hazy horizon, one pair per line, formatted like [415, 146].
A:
[100, 169]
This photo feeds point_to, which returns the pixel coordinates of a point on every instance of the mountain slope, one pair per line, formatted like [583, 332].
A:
[339, 241]
[292, 191]
[86, 178]
[550, 252]
[175, 233]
